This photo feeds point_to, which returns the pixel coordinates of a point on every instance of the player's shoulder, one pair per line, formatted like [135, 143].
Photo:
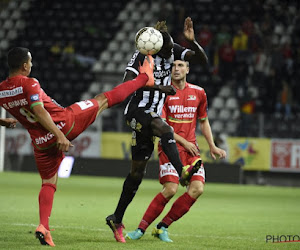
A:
[196, 87]
[30, 83]
[133, 64]
[31, 80]
[137, 56]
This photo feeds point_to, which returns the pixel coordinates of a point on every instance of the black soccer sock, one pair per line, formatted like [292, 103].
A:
[169, 147]
[143, 231]
[161, 224]
[130, 188]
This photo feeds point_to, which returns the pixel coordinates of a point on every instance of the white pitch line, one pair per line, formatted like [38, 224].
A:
[108, 230]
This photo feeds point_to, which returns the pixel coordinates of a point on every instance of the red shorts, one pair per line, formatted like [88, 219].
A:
[168, 173]
[82, 115]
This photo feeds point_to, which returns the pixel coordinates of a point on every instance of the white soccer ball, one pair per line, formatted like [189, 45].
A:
[149, 41]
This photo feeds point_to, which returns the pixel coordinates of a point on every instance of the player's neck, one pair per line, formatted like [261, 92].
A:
[179, 84]
[16, 73]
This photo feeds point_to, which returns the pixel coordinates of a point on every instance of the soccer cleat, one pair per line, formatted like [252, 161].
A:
[188, 171]
[116, 228]
[147, 68]
[162, 234]
[135, 235]
[44, 236]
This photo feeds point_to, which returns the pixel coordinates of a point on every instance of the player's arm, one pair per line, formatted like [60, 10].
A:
[189, 146]
[206, 131]
[197, 55]
[8, 122]
[46, 121]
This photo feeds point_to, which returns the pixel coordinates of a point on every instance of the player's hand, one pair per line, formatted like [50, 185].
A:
[63, 144]
[191, 148]
[10, 122]
[188, 30]
[169, 90]
[217, 151]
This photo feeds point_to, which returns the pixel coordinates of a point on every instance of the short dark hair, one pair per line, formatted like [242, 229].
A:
[16, 57]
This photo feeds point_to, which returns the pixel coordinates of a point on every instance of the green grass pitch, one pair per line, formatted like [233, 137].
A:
[225, 217]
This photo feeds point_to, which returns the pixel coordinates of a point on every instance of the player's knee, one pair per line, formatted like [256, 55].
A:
[159, 127]
[138, 170]
[170, 192]
[166, 129]
[137, 175]
[196, 190]
[102, 102]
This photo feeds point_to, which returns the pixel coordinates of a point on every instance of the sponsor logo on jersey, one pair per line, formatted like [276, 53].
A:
[174, 98]
[45, 138]
[161, 73]
[12, 92]
[15, 103]
[34, 97]
[182, 109]
[167, 169]
[191, 98]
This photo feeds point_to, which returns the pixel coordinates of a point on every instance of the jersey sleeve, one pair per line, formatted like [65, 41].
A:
[203, 107]
[133, 64]
[33, 92]
[179, 52]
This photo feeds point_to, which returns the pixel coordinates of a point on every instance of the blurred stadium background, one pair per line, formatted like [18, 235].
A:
[81, 48]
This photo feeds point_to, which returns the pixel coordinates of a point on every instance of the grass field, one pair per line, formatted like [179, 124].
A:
[225, 217]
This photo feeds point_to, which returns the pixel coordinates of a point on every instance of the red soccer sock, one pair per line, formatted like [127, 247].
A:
[155, 208]
[45, 203]
[180, 207]
[122, 91]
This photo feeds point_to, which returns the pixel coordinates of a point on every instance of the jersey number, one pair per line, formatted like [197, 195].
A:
[29, 116]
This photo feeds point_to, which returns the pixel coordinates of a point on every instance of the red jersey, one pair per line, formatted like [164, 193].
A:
[182, 110]
[19, 94]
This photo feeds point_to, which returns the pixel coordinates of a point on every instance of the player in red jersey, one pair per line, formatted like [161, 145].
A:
[52, 127]
[181, 111]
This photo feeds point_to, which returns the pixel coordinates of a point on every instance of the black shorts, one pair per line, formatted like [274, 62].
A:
[142, 143]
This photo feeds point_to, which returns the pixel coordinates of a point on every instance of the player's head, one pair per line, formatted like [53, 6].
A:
[166, 50]
[179, 71]
[19, 59]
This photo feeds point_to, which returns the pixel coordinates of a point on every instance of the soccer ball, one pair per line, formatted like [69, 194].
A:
[148, 41]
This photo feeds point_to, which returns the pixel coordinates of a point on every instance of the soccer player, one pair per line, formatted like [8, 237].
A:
[180, 111]
[52, 127]
[142, 114]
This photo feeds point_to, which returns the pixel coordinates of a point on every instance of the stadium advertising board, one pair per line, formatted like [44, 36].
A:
[118, 146]
[285, 155]
[251, 153]
[17, 141]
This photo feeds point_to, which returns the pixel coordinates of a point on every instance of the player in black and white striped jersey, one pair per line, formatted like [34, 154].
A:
[143, 111]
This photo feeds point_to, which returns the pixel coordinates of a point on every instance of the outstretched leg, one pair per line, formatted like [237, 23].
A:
[123, 90]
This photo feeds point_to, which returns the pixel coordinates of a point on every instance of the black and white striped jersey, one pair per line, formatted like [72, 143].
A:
[147, 98]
